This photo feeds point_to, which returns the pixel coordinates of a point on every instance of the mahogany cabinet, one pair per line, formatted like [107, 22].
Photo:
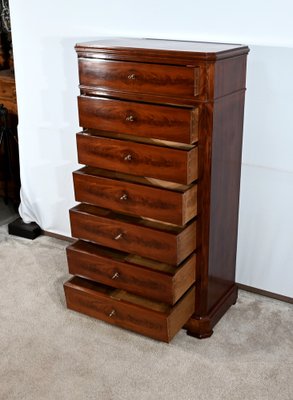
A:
[161, 142]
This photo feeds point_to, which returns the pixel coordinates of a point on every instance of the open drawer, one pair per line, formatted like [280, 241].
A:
[156, 320]
[138, 275]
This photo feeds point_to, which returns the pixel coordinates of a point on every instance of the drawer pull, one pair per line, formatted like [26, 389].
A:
[119, 236]
[124, 197]
[130, 118]
[128, 157]
[112, 313]
[131, 77]
[116, 275]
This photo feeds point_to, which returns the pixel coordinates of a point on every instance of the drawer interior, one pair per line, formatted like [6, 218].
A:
[102, 212]
[173, 186]
[118, 294]
[139, 139]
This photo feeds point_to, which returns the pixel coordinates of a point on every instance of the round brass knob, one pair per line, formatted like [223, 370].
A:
[124, 197]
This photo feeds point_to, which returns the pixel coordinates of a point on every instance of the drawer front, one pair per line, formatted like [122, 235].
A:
[136, 314]
[153, 121]
[162, 80]
[138, 159]
[135, 199]
[133, 235]
[143, 277]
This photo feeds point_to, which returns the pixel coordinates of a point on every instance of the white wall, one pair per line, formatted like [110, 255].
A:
[265, 241]
[44, 34]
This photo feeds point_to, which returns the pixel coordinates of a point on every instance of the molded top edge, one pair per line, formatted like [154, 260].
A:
[164, 47]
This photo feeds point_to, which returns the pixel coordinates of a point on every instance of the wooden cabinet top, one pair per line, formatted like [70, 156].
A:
[163, 48]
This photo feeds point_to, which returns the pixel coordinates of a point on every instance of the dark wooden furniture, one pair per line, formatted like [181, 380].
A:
[8, 91]
[9, 159]
[157, 224]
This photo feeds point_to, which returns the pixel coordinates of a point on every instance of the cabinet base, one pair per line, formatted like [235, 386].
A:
[202, 327]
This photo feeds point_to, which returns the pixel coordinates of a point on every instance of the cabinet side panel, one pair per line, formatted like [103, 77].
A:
[230, 76]
[225, 184]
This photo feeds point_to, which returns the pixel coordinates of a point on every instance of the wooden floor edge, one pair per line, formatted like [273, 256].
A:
[58, 236]
[265, 293]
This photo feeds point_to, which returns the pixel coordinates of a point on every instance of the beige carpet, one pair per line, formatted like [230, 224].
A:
[48, 352]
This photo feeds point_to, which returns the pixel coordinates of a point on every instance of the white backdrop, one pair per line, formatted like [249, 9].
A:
[44, 34]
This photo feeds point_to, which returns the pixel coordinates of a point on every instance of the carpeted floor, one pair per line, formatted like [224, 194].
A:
[49, 352]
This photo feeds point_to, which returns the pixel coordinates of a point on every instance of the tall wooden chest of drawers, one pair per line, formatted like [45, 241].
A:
[157, 221]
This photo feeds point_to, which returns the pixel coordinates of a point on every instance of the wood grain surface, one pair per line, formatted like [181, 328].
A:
[138, 77]
[116, 307]
[105, 191]
[163, 124]
[178, 124]
[161, 242]
[141, 276]
[138, 159]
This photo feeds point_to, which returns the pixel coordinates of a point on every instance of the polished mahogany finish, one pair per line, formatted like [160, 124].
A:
[171, 51]
[136, 196]
[156, 320]
[163, 242]
[140, 159]
[141, 276]
[162, 135]
[137, 77]
[177, 124]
